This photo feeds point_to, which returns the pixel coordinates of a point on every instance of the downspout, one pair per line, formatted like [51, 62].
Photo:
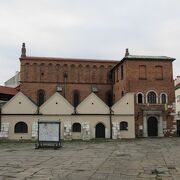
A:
[65, 84]
[110, 120]
[110, 110]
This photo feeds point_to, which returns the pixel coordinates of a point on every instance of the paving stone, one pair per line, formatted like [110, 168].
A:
[136, 159]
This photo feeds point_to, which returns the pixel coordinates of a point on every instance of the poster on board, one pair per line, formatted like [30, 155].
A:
[49, 132]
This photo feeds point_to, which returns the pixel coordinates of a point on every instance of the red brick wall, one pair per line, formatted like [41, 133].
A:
[133, 82]
[39, 73]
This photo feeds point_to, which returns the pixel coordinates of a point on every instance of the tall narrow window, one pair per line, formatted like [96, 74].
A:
[122, 72]
[21, 127]
[122, 93]
[140, 98]
[117, 75]
[159, 72]
[163, 98]
[142, 72]
[109, 98]
[76, 98]
[40, 97]
[151, 97]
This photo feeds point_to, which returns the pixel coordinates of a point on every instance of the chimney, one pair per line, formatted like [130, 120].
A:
[127, 52]
[23, 50]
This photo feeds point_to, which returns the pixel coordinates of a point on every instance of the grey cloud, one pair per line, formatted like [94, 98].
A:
[87, 29]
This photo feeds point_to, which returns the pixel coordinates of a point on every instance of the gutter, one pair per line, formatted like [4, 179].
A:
[110, 121]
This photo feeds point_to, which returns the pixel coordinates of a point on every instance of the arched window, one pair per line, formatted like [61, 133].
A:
[40, 97]
[163, 98]
[76, 98]
[151, 97]
[109, 98]
[76, 127]
[140, 98]
[123, 125]
[122, 93]
[21, 127]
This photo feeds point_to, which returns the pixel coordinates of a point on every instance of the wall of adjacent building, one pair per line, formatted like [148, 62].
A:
[86, 115]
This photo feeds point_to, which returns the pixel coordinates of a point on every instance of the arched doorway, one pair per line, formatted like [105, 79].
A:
[152, 126]
[100, 130]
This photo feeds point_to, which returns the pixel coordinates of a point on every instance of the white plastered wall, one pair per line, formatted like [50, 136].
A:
[94, 111]
[92, 105]
[19, 104]
[56, 104]
[123, 110]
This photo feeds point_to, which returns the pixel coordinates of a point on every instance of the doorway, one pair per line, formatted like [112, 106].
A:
[152, 126]
[100, 131]
[178, 127]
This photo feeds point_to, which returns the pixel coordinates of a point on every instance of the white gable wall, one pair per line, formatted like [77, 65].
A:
[19, 104]
[125, 105]
[92, 105]
[56, 104]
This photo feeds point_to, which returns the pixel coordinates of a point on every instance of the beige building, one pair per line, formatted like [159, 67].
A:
[91, 119]
[177, 105]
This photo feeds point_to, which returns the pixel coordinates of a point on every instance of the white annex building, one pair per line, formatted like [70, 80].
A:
[93, 118]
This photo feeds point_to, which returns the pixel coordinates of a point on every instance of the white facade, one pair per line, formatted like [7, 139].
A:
[14, 81]
[93, 118]
[177, 113]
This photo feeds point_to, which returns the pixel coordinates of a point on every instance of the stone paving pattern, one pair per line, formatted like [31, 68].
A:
[139, 159]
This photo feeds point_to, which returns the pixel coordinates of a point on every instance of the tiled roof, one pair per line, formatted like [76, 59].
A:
[8, 90]
[142, 57]
[68, 59]
[149, 57]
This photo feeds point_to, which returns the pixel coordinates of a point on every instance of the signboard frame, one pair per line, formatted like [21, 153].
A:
[49, 143]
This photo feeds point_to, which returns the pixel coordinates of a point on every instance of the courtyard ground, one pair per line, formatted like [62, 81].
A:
[156, 158]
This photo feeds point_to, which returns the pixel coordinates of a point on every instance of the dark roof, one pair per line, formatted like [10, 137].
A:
[149, 57]
[8, 90]
[142, 57]
[69, 59]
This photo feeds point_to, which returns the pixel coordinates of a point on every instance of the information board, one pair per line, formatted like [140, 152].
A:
[49, 131]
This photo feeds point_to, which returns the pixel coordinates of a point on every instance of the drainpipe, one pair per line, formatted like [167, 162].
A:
[110, 120]
[65, 84]
[110, 110]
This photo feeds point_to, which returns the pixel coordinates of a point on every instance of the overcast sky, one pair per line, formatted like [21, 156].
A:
[100, 29]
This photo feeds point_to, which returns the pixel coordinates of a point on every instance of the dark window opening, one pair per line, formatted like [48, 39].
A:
[76, 98]
[140, 98]
[163, 99]
[122, 72]
[123, 125]
[76, 127]
[21, 127]
[109, 98]
[40, 97]
[151, 97]
[117, 75]
[122, 93]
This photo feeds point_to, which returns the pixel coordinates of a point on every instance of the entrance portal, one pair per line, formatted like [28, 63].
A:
[100, 130]
[178, 127]
[152, 126]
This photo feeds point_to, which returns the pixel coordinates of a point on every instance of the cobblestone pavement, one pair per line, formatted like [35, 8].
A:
[126, 160]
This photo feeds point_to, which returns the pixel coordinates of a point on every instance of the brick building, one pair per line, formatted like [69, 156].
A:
[149, 77]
